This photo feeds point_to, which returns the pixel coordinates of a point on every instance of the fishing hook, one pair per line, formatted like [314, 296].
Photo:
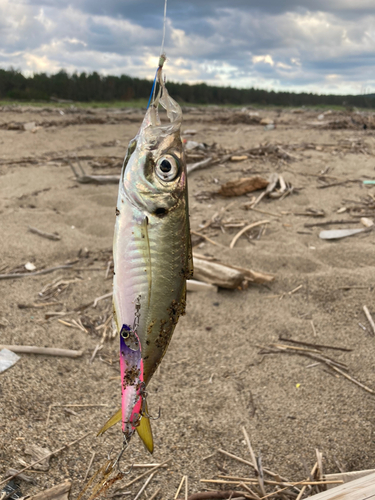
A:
[125, 444]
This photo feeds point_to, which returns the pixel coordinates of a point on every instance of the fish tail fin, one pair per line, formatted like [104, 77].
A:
[110, 422]
[145, 432]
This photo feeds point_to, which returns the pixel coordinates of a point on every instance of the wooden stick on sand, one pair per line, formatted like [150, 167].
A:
[47, 351]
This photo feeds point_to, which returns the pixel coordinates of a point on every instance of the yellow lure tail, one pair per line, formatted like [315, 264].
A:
[144, 429]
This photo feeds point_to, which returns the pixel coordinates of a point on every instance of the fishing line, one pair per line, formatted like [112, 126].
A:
[162, 58]
[164, 24]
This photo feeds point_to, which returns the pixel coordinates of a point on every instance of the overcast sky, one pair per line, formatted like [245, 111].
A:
[324, 46]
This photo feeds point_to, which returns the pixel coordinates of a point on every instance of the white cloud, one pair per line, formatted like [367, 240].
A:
[325, 49]
[267, 59]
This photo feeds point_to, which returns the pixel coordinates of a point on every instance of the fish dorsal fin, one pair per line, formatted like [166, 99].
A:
[145, 433]
[110, 422]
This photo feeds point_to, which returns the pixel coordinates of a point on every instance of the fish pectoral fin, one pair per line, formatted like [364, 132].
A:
[145, 433]
[112, 421]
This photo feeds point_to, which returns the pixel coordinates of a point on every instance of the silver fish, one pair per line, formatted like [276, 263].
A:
[152, 257]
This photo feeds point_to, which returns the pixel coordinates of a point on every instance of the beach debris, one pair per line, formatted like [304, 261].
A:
[239, 158]
[361, 488]
[239, 118]
[45, 351]
[36, 273]
[330, 223]
[369, 182]
[7, 358]
[276, 188]
[148, 480]
[43, 234]
[84, 178]
[317, 355]
[29, 266]
[243, 186]
[367, 222]
[338, 183]
[23, 477]
[199, 286]
[207, 162]
[336, 234]
[11, 491]
[58, 492]
[347, 477]
[245, 229]
[29, 126]
[314, 346]
[311, 212]
[55, 452]
[223, 275]
[369, 318]
[266, 121]
[38, 453]
[217, 274]
[190, 145]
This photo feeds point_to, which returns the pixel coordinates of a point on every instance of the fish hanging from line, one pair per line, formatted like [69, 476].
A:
[152, 255]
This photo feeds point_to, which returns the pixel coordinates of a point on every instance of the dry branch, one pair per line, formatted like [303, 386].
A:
[245, 229]
[369, 317]
[83, 178]
[217, 274]
[37, 273]
[213, 495]
[226, 275]
[47, 351]
[207, 162]
[49, 236]
[147, 472]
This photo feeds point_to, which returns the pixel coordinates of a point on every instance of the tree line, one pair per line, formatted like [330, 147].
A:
[86, 87]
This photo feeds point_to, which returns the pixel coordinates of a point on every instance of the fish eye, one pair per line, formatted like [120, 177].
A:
[166, 168]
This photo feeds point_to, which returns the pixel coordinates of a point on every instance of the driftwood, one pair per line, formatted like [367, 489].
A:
[198, 286]
[225, 275]
[347, 476]
[37, 453]
[59, 492]
[359, 489]
[47, 351]
[217, 274]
